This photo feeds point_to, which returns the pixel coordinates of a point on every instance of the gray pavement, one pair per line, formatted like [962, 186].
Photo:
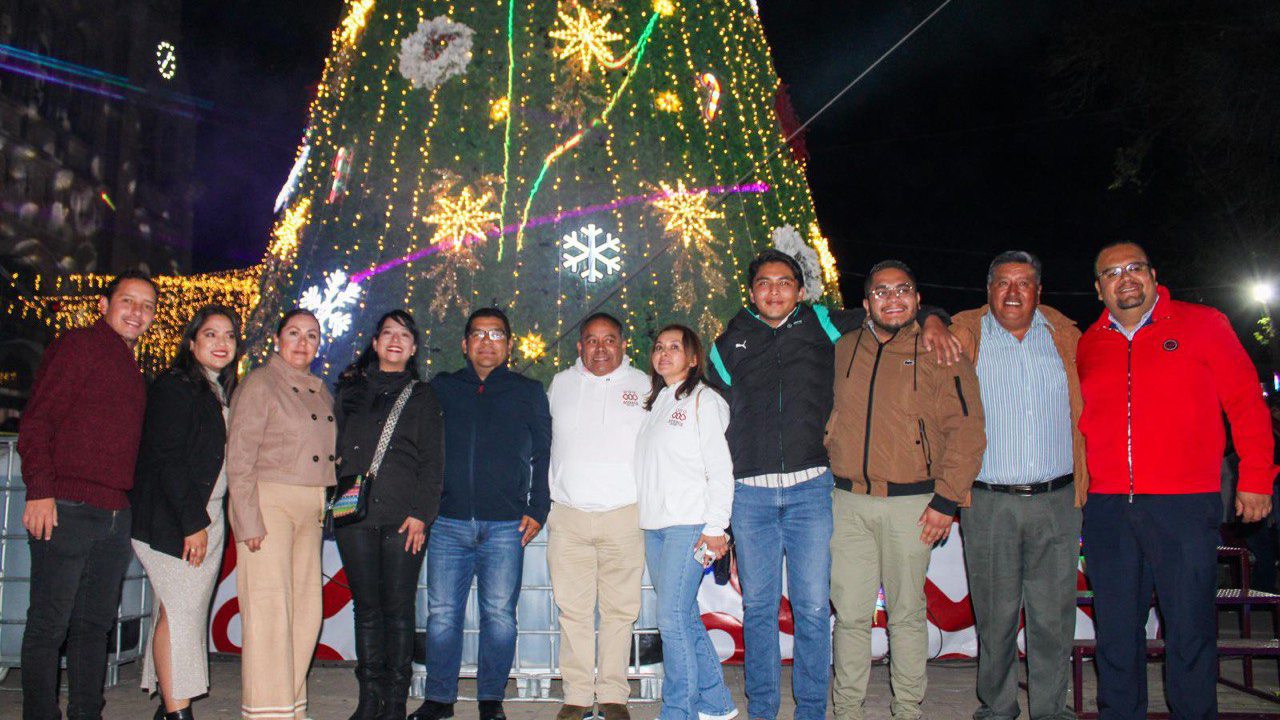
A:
[332, 689]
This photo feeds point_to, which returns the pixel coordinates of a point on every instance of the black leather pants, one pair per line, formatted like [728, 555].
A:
[384, 579]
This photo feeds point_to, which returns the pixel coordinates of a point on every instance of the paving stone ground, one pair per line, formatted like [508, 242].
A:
[332, 689]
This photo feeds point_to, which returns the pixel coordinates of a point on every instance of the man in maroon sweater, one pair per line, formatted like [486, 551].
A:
[78, 443]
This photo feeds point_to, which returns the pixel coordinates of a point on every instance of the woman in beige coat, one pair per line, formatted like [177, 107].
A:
[280, 446]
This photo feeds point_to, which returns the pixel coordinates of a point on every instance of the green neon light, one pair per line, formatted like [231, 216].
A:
[506, 138]
[640, 46]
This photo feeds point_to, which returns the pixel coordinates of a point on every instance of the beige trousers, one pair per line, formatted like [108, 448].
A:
[876, 541]
[595, 557]
[280, 603]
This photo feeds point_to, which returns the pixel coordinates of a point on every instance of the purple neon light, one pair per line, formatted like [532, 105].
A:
[53, 79]
[357, 278]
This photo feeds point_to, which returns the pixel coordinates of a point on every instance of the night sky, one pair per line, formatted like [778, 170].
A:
[960, 145]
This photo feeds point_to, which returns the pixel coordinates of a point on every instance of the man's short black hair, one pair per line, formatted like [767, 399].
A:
[109, 290]
[489, 312]
[773, 255]
[582, 329]
[887, 265]
[1009, 257]
[1117, 243]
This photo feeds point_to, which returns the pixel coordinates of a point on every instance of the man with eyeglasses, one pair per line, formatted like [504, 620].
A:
[497, 449]
[1022, 526]
[774, 364]
[906, 440]
[1157, 375]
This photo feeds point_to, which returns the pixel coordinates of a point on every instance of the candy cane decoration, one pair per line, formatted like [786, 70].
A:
[709, 87]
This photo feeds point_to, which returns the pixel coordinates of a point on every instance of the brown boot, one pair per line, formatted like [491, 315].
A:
[572, 712]
[614, 711]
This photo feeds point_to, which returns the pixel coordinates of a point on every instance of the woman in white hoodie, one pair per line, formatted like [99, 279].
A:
[684, 481]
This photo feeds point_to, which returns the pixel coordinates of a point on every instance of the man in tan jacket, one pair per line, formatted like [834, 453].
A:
[1022, 528]
[905, 439]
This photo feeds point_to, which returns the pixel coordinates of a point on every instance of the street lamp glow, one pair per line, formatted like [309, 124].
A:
[1263, 292]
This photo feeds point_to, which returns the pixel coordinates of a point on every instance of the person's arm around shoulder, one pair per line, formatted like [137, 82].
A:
[430, 480]
[250, 411]
[1241, 398]
[711, 422]
[958, 411]
[539, 490]
[63, 370]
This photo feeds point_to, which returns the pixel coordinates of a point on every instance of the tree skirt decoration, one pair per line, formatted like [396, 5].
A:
[435, 52]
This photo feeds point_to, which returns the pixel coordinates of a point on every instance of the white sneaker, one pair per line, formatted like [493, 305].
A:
[727, 716]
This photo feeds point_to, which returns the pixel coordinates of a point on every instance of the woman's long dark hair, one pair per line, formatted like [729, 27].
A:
[357, 369]
[185, 362]
[692, 347]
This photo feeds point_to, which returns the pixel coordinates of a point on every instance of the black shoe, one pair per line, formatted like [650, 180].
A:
[183, 714]
[369, 705]
[432, 710]
[491, 710]
[159, 712]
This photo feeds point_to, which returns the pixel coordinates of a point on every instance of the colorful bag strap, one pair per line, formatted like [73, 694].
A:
[389, 427]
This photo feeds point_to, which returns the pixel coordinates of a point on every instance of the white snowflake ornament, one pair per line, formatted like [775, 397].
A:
[327, 305]
[586, 254]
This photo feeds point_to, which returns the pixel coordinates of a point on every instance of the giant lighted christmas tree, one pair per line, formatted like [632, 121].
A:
[545, 156]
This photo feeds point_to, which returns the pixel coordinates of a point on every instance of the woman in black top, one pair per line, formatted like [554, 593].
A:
[382, 553]
[177, 500]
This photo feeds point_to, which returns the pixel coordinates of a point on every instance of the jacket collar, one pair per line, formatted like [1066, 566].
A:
[1163, 310]
[748, 319]
[102, 329]
[468, 374]
[582, 370]
[905, 334]
[292, 374]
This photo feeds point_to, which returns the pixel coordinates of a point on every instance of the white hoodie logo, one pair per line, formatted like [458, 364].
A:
[742, 345]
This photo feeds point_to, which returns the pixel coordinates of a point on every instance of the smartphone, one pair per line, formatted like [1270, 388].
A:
[702, 555]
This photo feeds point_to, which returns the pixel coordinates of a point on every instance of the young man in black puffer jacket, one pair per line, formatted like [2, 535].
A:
[775, 365]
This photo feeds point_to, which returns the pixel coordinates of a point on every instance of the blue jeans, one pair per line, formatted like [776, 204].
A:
[692, 679]
[457, 551]
[768, 525]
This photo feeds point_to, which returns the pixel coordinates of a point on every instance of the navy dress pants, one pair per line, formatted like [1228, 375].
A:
[1167, 543]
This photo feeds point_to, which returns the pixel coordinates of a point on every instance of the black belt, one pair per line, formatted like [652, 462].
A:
[924, 487]
[1031, 489]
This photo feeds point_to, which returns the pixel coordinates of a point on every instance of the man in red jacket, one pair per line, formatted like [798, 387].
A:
[78, 442]
[1156, 375]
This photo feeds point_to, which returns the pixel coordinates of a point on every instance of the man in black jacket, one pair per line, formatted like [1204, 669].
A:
[775, 365]
[497, 450]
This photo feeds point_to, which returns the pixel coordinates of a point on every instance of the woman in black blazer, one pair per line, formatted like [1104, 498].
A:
[177, 501]
[382, 554]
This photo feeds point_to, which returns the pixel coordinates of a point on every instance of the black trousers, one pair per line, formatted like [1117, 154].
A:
[1169, 543]
[384, 580]
[75, 591]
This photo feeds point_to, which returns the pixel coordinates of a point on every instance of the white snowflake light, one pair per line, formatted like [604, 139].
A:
[588, 255]
[327, 305]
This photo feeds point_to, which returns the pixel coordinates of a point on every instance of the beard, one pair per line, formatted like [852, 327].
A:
[1131, 301]
[891, 327]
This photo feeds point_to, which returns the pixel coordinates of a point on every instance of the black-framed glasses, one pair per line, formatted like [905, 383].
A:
[1133, 268]
[882, 292]
[494, 334]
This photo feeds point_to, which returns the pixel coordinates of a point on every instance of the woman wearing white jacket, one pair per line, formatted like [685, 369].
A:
[685, 495]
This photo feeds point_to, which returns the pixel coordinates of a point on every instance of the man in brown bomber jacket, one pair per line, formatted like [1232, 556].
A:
[905, 439]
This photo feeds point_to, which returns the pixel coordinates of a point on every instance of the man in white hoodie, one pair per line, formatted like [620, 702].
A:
[595, 548]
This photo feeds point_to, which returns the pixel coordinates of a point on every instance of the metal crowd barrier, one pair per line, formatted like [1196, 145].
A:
[537, 659]
[128, 637]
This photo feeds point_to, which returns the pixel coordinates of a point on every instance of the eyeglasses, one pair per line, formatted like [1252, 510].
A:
[493, 334]
[1113, 273]
[903, 290]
